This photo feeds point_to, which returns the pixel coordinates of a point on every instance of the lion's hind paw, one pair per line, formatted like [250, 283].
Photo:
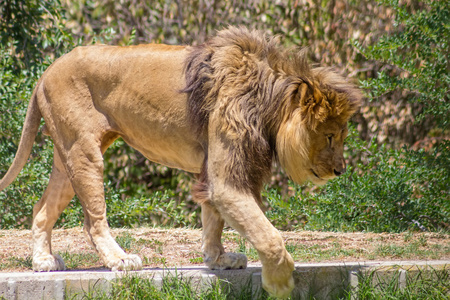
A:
[227, 261]
[131, 262]
[50, 262]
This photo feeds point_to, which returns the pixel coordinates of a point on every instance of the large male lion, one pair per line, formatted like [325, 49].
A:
[223, 110]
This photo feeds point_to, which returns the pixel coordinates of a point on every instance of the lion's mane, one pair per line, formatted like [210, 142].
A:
[252, 86]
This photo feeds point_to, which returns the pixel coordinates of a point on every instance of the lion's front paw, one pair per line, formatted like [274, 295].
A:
[277, 279]
[129, 262]
[277, 286]
[227, 261]
[46, 263]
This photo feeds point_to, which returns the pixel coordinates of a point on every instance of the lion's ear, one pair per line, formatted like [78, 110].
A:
[302, 92]
[314, 106]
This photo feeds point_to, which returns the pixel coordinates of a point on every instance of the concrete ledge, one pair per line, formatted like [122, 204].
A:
[321, 280]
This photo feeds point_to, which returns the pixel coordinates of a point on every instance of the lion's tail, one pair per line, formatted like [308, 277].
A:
[29, 132]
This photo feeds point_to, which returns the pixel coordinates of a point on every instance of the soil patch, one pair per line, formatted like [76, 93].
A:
[181, 247]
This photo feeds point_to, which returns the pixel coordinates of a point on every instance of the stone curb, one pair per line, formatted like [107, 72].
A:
[321, 280]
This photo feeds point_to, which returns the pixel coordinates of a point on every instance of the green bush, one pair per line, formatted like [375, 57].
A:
[415, 58]
[31, 34]
[385, 190]
[394, 191]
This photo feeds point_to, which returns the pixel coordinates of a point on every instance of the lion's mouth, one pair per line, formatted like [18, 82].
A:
[315, 174]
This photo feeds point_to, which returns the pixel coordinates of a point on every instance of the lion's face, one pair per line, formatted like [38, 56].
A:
[316, 155]
[310, 143]
[326, 152]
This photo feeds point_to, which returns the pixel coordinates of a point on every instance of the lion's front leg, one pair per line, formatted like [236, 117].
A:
[214, 254]
[241, 211]
[238, 206]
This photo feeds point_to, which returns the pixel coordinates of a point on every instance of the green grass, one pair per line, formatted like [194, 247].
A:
[13, 262]
[319, 252]
[173, 287]
[433, 284]
[71, 260]
[160, 260]
[245, 248]
[417, 249]
[196, 260]
[80, 260]
[127, 242]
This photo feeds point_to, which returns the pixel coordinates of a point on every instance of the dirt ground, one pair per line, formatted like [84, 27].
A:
[182, 247]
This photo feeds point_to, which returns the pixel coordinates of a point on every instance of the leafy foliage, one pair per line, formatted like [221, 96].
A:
[390, 191]
[418, 54]
[33, 32]
[393, 189]
[23, 58]
[385, 190]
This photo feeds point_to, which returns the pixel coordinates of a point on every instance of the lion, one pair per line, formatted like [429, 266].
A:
[224, 110]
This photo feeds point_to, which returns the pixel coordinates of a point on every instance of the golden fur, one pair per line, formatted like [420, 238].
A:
[239, 102]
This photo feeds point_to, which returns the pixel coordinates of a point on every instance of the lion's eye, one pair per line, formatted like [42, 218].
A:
[330, 139]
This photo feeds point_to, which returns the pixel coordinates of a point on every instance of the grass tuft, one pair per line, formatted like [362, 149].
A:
[429, 285]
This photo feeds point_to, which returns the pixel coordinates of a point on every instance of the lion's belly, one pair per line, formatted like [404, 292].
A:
[172, 151]
[158, 127]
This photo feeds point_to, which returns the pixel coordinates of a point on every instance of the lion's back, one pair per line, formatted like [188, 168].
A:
[133, 91]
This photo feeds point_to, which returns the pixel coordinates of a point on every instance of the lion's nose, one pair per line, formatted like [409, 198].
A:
[339, 172]
[340, 168]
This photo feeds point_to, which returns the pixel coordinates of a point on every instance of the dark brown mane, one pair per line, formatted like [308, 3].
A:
[206, 69]
[198, 72]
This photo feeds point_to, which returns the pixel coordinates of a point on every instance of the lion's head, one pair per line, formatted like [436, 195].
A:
[310, 141]
[267, 102]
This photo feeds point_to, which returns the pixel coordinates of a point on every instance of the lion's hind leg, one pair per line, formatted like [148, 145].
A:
[214, 254]
[56, 197]
[85, 166]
